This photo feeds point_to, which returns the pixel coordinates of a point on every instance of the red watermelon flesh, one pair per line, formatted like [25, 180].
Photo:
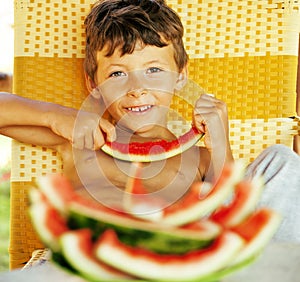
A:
[148, 265]
[257, 230]
[152, 150]
[78, 244]
[194, 206]
[246, 197]
[47, 220]
[191, 207]
[229, 245]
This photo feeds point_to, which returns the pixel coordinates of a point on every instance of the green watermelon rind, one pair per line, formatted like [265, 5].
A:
[236, 264]
[86, 267]
[248, 206]
[194, 265]
[182, 147]
[164, 239]
[37, 211]
[213, 277]
[261, 240]
[209, 204]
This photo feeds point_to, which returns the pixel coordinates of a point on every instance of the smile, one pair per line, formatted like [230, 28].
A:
[139, 109]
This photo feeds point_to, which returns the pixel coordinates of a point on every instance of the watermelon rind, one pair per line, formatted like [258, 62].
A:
[138, 157]
[38, 212]
[57, 189]
[209, 204]
[84, 264]
[159, 238]
[255, 246]
[178, 268]
[165, 238]
[230, 215]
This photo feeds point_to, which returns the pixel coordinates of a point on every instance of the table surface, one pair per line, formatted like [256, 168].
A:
[279, 262]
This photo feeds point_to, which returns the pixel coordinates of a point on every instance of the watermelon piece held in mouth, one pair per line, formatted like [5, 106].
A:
[152, 150]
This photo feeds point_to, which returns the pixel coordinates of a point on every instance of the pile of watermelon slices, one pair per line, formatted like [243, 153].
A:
[202, 237]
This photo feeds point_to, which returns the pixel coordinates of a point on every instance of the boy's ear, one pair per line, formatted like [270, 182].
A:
[91, 86]
[182, 79]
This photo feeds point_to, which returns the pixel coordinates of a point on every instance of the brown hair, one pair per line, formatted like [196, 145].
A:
[5, 82]
[123, 23]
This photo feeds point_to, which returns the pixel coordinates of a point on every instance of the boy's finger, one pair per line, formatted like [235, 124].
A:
[109, 129]
[98, 139]
[88, 141]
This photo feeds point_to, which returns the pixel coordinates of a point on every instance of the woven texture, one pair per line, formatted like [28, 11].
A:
[245, 52]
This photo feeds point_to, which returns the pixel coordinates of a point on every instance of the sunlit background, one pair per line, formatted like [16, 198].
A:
[6, 35]
[6, 58]
[6, 66]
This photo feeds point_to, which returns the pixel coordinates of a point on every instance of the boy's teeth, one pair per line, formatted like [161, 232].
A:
[139, 109]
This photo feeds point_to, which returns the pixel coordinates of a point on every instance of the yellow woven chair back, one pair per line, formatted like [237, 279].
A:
[245, 52]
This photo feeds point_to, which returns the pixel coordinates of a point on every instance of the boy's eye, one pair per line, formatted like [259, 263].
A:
[153, 70]
[117, 74]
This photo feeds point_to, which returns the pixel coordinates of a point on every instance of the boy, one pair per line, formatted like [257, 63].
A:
[135, 60]
[145, 48]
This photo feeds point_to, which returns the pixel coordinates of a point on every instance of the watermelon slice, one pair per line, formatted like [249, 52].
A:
[156, 237]
[193, 206]
[137, 201]
[148, 265]
[84, 213]
[179, 247]
[78, 244]
[257, 230]
[152, 150]
[246, 197]
[57, 189]
[47, 220]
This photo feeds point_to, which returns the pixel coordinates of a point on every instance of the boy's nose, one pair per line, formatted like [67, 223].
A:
[136, 84]
[136, 93]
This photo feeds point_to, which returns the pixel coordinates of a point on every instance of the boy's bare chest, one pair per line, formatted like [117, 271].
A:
[95, 168]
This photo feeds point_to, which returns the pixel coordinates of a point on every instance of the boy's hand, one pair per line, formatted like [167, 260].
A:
[211, 117]
[91, 131]
[83, 129]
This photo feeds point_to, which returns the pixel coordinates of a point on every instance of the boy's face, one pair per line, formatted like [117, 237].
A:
[137, 88]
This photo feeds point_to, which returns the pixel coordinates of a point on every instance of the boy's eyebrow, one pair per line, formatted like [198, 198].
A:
[156, 61]
[145, 64]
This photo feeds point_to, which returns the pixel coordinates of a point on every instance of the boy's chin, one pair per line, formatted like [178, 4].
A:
[146, 130]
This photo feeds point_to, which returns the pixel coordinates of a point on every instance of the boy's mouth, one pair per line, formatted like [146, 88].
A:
[139, 109]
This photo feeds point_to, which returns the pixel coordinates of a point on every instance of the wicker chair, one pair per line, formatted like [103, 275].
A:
[244, 52]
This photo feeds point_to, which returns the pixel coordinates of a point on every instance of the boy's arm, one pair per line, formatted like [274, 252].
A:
[16, 111]
[40, 136]
[211, 118]
[19, 111]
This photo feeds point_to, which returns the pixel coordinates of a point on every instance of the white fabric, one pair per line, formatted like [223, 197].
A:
[280, 168]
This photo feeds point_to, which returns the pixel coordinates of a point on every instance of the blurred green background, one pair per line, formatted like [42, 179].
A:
[5, 149]
[6, 66]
